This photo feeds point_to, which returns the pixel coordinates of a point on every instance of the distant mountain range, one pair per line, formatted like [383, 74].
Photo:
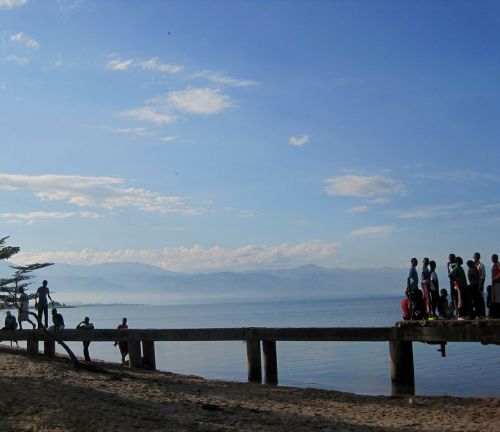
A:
[142, 283]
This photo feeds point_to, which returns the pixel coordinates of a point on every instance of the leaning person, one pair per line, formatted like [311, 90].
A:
[122, 345]
[85, 325]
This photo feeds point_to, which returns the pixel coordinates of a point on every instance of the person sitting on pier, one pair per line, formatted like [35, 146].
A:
[10, 324]
[122, 345]
[85, 325]
[443, 307]
[406, 306]
[24, 309]
[57, 320]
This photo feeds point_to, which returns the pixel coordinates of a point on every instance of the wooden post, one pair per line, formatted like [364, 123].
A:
[254, 361]
[402, 371]
[270, 361]
[32, 346]
[134, 354]
[49, 348]
[148, 351]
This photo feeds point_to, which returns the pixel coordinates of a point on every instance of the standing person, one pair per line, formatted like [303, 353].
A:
[495, 288]
[434, 289]
[481, 269]
[457, 276]
[24, 309]
[412, 286]
[85, 325]
[452, 262]
[476, 297]
[122, 345]
[425, 274]
[42, 303]
[57, 320]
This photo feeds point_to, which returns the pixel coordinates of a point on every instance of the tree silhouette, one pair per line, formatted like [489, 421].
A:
[11, 288]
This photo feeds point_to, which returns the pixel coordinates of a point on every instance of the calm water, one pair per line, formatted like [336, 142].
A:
[469, 369]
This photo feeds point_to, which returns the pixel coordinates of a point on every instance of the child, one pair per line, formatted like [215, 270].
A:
[443, 308]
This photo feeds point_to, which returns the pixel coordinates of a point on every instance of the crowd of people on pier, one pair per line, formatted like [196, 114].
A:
[427, 300]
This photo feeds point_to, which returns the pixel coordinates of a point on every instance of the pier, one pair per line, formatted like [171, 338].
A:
[261, 342]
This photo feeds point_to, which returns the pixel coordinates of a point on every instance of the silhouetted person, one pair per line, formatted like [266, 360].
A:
[10, 324]
[24, 308]
[443, 306]
[425, 283]
[457, 276]
[480, 268]
[434, 289]
[85, 325]
[452, 261]
[57, 320]
[495, 288]
[122, 345]
[476, 303]
[42, 303]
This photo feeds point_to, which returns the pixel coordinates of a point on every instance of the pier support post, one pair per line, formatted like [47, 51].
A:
[148, 351]
[254, 361]
[32, 346]
[402, 371]
[49, 348]
[134, 354]
[270, 362]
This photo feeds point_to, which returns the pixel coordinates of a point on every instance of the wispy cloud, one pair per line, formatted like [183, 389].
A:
[150, 115]
[152, 64]
[223, 80]
[299, 141]
[167, 138]
[358, 209]
[197, 101]
[139, 131]
[97, 192]
[13, 58]
[372, 231]
[31, 217]
[197, 257]
[429, 211]
[25, 40]
[363, 186]
[9, 4]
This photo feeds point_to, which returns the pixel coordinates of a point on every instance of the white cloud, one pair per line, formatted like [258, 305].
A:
[223, 80]
[167, 138]
[25, 40]
[363, 186]
[299, 141]
[372, 231]
[359, 209]
[31, 217]
[381, 200]
[17, 59]
[9, 4]
[197, 101]
[149, 114]
[153, 64]
[197, 257]
[118, 65]
[429, 211]
[99, 192]
[139, 131]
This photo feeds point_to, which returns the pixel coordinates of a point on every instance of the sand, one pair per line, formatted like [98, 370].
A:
[50, 395]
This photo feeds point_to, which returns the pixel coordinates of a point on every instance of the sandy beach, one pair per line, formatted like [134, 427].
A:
[42, 395]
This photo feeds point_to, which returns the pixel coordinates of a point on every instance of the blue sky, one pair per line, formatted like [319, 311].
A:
[200, 135]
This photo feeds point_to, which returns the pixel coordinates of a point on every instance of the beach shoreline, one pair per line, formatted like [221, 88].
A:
[50, 395]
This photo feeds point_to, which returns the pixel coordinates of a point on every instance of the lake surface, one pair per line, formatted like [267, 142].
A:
[469, 369]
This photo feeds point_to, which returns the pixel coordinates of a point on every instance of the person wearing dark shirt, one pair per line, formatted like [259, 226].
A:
[122, 345]
[57, 320]
[42, 303]
[457, 276]
[10, 322]
[85, 325]
[452, 262]
[476, 303]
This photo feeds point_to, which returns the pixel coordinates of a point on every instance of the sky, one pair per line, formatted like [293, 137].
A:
[235, 135]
